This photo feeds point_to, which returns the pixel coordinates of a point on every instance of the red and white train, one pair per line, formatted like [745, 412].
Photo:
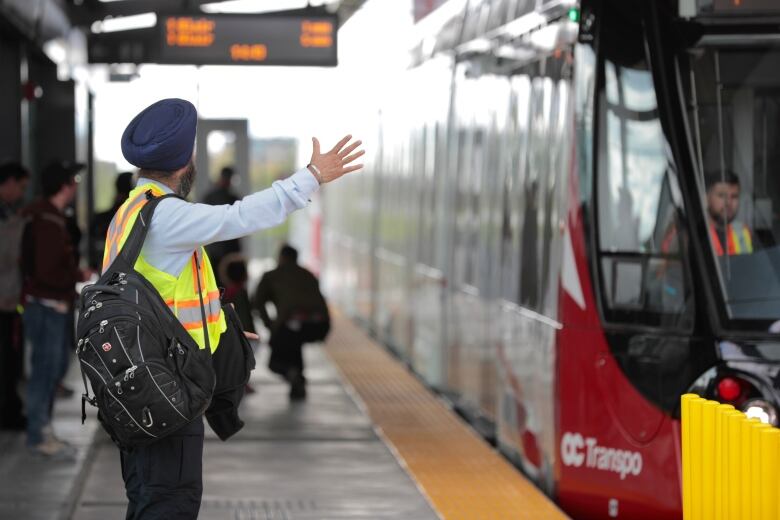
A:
[537, 232]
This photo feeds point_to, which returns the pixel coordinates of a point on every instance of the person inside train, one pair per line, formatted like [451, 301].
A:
[729, 236]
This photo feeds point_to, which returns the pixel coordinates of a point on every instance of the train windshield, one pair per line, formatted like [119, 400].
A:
[733, 95]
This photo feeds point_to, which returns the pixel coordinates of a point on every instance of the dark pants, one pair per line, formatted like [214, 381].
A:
[11, 366]
[164, 480]
[287, 346]
[45, 328]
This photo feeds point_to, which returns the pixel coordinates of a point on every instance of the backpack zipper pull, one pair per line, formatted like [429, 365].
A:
[103, 325]
[130, 372]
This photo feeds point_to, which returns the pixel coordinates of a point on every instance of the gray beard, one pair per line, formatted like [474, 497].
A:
[186, 182]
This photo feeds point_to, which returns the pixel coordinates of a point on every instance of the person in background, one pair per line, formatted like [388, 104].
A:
[222, 194]
[301, 317]
[99, 226]
[729, 236]
[50, 275]
[233, 271]
[13, 183]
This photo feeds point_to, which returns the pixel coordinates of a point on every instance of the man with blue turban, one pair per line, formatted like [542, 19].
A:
[164, 479]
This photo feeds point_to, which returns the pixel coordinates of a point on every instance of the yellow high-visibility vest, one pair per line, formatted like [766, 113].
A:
[738, 240]
[180, 293]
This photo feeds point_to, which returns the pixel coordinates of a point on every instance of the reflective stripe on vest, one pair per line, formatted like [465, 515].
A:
[179, 293]
[738, 240]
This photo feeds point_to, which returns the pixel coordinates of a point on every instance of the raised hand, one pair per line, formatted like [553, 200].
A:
[333, 164]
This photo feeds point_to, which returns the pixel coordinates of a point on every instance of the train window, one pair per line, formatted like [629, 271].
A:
[469, 139]
[517, 136]
[734, 100]
[643, 280]
[472, 201]
[560, 157]
[537, 154]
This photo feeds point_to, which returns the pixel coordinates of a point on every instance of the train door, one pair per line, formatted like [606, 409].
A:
[471, 315]
[458, 324]
[530, 255]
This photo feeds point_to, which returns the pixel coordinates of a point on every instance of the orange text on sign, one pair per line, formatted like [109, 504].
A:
[316, 34]
[244, 52]
[309, 27]
[186, 31]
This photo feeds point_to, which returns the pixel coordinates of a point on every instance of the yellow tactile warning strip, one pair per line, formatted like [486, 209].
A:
[462, 476]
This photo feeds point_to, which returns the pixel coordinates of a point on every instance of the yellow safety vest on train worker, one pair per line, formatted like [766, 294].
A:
[180, 293]
[738, 240]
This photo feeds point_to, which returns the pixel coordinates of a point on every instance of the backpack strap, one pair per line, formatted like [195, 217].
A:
[131, 249]
[202, 306]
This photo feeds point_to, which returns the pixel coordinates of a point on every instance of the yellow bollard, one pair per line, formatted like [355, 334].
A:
[755, 455]
[708, 459]
[721, 413]
[769, 439]
[746, 508]
[686, 452]
[734, 426]
[730, 464]
[777, 490]
[696, 407]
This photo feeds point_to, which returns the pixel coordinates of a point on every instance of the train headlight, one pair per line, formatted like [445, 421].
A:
[762, 410]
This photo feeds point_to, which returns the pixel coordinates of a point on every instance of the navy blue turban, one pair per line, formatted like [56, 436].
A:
[162, 136]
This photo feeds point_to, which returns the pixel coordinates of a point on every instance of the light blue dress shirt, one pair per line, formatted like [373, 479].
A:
[179, 227]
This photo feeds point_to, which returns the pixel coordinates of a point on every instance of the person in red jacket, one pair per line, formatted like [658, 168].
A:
[50, 275]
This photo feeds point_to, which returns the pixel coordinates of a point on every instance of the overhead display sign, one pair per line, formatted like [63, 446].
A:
[248, 40]
[746, 7]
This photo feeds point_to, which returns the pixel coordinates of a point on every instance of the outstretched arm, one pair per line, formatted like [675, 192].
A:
[188, 225]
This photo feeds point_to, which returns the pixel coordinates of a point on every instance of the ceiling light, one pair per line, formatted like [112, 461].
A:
[125, 23]
[257, 6]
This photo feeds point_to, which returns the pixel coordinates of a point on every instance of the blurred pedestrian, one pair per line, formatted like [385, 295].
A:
[50, 276]
[13, 183]
[233, 270]
[99, 226]
[301, 317]
[222, 194]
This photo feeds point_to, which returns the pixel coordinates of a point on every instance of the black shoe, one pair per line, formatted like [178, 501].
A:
[297, 385]
[298, 391]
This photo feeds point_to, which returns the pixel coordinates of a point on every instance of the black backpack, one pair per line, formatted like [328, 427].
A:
[149, 377]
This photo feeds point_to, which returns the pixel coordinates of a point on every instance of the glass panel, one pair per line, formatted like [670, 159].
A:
[734, 95]
[638, 200]
[623, 281]
[634, 166]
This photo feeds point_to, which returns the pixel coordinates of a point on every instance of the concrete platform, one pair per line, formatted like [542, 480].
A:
[36, 488]
[319, 459]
